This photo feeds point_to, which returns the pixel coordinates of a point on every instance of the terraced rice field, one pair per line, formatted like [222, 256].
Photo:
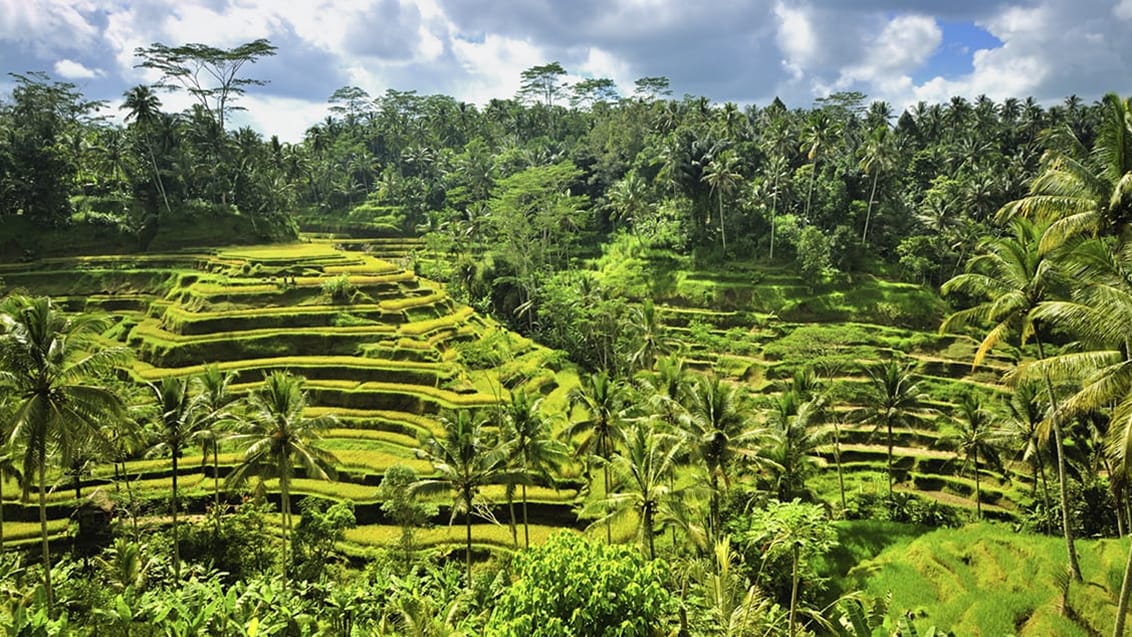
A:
[384, 360]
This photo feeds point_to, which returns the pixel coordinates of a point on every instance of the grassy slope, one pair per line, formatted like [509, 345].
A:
[985, 579]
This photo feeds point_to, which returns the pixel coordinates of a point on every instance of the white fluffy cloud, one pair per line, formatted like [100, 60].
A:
[73, 70]
[740, 50]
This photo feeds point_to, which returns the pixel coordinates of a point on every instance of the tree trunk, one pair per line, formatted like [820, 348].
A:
[869, 210]
[837, 460]
[526, 526]
[1122, 605]
[810, 192]
[647, 530]
[722, 231]
[793, 591]
[511, 514]
[285, 502]
[713, 515]
[43, 533]
[890, 478]
[216, 484]
[176, 536]
[773, 214]
[978, 492]
[1062, 478]
[1040, 474]
[468, 538]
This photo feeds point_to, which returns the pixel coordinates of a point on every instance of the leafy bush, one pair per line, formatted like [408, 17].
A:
[339, 289]
[572, 586]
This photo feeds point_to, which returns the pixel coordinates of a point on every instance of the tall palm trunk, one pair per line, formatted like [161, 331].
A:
[646, 521]
[605, 495]
[468, 536]
[526, 526]
[285, 506]
[793, 591]
[773, 215]
[722, 231]
[511, 514]
[1062, 479]
[216, 484]
[869, 210]
[43, 534]
[889, 460]
[978, 492]
[837, 461]
[810, 192]
[176, 530]
[1122, 603]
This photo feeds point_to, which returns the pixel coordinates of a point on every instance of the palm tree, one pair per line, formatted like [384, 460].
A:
[50, 365]
[601, 399]
[176, 419]
[276, 437]
[816, 133]
[894, 397]
[533, 449]
[722, 175]
[465, 459]
[145, 108]
[645, 467]
[973, 436]
[1015, 276]
[874, 160]
[1023, 424]
[792, 423]
[719, 430]
[215, 403]
[646, 326]
[1083, 192]
[628, 200]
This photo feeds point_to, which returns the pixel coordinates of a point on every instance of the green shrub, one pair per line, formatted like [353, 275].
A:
[339, 289]
[572, 586]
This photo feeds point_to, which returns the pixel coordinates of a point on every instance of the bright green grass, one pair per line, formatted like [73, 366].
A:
[24, 532]
[985, 579]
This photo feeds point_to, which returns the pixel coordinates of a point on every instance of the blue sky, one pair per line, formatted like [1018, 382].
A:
[745, 51]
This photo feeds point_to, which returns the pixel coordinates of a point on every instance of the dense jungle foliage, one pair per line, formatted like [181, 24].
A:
[747, 308]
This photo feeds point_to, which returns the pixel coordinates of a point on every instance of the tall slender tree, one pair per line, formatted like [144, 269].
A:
[719, 431]
[51, 365]
[894, 399]
[601, 400]
[1013, 276]
[176, 420]
[466, 459]
[277, 437]
[534, 451]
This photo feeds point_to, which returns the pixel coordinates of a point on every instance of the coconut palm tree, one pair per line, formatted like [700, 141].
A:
[793, 422]
[215, 403]
[176, 420]
[51, 366]
[1013, 276]
[533, 450]
[973, 436]
[276, 437]
[894, 397]
[466, 459]
[719, 430]
[722, 176]
[601, 400]
[145, 108]
[874, 161]
[1082, 192]
[644, 467]
[1023, 425]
